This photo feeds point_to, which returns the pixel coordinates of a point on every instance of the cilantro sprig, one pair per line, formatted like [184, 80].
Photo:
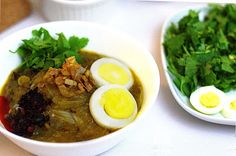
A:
[201, 53]
[42, 51]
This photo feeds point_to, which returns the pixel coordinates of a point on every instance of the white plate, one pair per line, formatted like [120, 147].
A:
[182, 100]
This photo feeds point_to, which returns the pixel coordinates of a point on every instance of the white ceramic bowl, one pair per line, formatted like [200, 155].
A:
[89, 10]
[182, 100]
[104, 41]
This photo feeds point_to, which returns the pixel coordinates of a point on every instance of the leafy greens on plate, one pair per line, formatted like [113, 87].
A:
[203, 52]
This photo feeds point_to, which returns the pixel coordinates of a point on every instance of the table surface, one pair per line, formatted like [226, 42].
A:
[167, 129]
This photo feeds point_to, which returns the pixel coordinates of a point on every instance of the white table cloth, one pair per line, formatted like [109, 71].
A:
[167, 130]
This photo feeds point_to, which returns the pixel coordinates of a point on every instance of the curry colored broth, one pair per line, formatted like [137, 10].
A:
[56, 129]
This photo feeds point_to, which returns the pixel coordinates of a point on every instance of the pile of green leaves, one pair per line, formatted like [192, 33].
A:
[42, 51]
[203, 52]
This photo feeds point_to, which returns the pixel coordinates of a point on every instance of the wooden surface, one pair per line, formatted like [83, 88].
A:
[12, 11]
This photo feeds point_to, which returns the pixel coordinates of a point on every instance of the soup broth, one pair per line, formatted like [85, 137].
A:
[67, 119]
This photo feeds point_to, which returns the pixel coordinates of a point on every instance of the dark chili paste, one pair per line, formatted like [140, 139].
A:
[28, 114]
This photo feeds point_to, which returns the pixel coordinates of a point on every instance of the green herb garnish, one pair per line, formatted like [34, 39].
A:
[42, 51]
[201, 53]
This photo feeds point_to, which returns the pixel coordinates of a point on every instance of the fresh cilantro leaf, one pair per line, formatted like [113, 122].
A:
[77, 43]
[203, 52]
[42, 51]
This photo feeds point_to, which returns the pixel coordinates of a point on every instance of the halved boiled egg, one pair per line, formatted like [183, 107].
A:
[230, 109]
[111, 71]
[113, 106]
[208, 100]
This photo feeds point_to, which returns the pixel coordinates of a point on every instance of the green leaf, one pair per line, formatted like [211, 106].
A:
[62, 42]
[222, 40]
[174, 44]
[191, 67]
[42, 51]
[226, 64]
[76, 43]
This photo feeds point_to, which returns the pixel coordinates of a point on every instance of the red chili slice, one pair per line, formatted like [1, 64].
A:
[4, 109]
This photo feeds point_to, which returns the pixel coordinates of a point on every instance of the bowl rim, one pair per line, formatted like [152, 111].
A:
[78, 2]
[171, 85]
[139, 117]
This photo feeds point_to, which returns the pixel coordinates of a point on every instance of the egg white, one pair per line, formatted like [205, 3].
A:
[195, 99]
[99, 114]
[227, 112]
[100, 81]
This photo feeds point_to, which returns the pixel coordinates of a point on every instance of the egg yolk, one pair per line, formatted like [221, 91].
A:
[113, 74]
[233, 105]
[117, 103]
[209, 100]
